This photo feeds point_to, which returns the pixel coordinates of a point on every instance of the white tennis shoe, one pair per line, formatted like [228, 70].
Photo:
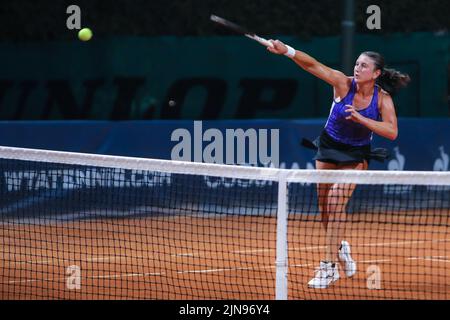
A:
[347, 262]
[326, 274]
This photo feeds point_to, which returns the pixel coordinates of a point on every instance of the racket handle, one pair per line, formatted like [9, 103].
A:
[262, 41]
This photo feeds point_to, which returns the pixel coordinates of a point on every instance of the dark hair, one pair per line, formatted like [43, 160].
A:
[389, 80]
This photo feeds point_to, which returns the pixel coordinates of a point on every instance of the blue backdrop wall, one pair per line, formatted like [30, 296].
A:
[422, 144]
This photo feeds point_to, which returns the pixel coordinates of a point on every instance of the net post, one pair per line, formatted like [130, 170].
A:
[281, 262]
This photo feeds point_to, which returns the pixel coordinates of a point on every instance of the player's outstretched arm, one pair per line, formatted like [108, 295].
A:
[335, 78]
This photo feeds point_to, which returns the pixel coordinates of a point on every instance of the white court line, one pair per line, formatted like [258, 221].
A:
[437, 260]
[375, 261]
[126, 275]
[208, 270]
[193, 254]
[225, 269]
[30, 280]
[360, 261]
[252, 251]
[104, 258]
[302, 265]
[108, 276]
[188, 254]
[308, 248]
[397, 243]
[431, 258]
[198, 254]
[92, 259]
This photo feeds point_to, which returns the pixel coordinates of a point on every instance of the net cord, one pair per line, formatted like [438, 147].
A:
[228, 171]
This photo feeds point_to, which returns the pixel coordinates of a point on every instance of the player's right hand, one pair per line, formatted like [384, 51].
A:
[278, 47]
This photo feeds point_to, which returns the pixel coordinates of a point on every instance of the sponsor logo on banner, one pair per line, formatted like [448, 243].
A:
[397, 164]
[66, 179]
[440, 164]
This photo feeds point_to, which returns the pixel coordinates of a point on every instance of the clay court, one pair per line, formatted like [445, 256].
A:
[229, 257]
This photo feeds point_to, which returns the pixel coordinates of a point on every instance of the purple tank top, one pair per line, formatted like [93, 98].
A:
[347, 131]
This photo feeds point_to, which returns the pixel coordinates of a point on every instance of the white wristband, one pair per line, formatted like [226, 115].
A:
[290, 52]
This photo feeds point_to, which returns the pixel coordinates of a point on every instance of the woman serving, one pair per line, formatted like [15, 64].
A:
[362, 105]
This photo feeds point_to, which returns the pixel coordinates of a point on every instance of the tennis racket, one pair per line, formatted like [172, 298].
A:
[238, 29]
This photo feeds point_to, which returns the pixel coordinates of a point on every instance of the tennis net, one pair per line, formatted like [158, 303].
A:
[83, 226]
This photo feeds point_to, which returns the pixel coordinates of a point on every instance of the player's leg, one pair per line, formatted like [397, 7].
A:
[323, 190]
[327, 272]
[338, 198]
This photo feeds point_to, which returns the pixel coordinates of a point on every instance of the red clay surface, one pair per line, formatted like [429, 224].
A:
[222, 258]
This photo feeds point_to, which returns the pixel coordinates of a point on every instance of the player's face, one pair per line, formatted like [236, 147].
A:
[365, 69]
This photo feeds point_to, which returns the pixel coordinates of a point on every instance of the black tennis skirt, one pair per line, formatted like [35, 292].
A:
[332, 151]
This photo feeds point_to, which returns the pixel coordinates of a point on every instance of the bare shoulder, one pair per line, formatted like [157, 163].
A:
[348, 83]
[384, 93]
[385, 99]
[345, 81]
[342, 88]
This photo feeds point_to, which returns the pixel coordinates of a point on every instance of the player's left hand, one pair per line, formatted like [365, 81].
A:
[353, 114]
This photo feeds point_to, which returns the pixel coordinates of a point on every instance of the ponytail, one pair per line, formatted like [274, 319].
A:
[390, 80]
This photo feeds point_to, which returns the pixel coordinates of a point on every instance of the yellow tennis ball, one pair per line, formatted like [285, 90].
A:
[85, 34]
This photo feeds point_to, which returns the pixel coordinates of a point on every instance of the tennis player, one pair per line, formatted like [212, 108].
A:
[362, 105]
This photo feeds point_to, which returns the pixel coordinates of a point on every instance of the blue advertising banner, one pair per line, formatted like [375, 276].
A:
[68, 192]
[422, 144]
